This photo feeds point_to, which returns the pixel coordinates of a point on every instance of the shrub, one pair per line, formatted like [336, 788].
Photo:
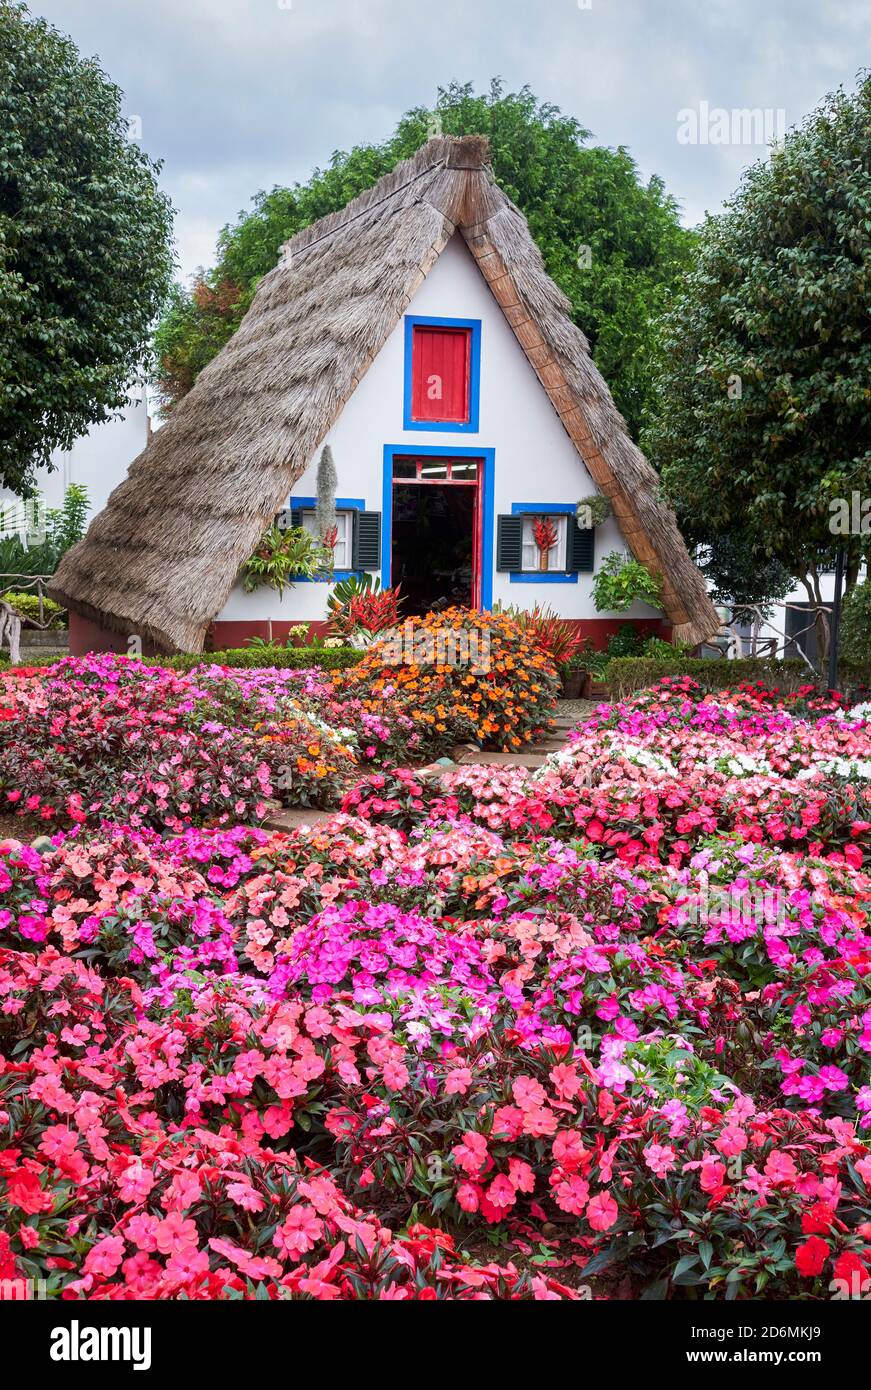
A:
[460, 675]
[260, 658]
[621, 581]
[27, 606]
[628, 674]
[856, 625]
[626, 641]
[64, 526]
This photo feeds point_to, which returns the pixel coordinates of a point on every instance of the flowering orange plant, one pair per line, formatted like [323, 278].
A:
[461, 674]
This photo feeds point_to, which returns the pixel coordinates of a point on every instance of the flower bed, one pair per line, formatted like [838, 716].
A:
[629, 1038]
[104, 737]
[107, 737]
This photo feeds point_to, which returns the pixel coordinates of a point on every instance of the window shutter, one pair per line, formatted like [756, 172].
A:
[509, 543]
[580, 547]
[366, 544]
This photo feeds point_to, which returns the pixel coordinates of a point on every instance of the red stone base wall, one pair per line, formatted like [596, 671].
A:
[86, 636]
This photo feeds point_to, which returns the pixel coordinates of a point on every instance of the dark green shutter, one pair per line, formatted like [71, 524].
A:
[509, 543]
[580, 548]
[366, 545]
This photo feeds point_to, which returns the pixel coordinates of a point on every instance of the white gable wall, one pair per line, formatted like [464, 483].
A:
[535, 461]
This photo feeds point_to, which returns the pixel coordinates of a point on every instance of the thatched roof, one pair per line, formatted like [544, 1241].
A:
[160, 560]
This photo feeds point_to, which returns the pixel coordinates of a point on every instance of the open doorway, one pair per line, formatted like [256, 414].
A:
[435, 530]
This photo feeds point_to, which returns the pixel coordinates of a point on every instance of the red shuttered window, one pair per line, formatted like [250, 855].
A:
[441, 361]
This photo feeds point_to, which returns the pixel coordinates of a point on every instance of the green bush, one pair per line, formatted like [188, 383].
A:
[252, 658]
[29, 659]
[856, 625]
[626, 641]
[625, 675]
[621, 580]
[27, 607]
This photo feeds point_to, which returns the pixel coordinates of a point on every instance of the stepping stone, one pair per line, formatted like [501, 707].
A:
[295, 818]
[503, 760]
[459, 749]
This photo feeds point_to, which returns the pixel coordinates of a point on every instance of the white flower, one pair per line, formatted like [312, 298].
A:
[849, 768]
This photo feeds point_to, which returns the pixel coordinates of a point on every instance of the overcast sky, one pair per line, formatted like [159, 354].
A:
[238, 95]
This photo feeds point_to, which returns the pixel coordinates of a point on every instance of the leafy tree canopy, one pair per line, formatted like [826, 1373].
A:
[85, 238]
[574, 195]
[763, 400]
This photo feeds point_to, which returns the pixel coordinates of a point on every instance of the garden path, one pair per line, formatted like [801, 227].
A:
[569, 713]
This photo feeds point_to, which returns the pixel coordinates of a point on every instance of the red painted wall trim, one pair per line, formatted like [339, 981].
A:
[87, 636]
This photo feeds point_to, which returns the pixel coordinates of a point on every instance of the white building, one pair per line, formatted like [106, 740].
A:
[418, 335]
[97, 461]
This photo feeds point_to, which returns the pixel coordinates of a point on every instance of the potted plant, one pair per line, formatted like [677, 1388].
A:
[574, 677]
[581, 671]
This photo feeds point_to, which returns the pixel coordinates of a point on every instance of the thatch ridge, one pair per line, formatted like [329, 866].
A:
[162, 556]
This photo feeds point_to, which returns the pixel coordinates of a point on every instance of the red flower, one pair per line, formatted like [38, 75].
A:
[852, 1271]
[817, 1221]
[810, 1257]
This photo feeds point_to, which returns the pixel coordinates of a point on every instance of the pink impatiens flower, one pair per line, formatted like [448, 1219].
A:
[602, 1211]
[660, 1158]
[299, 1232]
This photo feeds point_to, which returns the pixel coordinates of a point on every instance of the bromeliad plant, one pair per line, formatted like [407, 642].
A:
[359, 607]
[544, 534]
[283, 556]
[558, 639]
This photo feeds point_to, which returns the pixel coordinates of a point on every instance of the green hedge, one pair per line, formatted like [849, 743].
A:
[36, 658]
[250, 658]
[626, 674]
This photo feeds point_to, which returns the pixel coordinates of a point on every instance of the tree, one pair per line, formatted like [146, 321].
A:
[763, 414]
[740, 579]
[856, 625]
[613, 244]
[85, 238]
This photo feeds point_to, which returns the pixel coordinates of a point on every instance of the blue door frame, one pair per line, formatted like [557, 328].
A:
[488, 465]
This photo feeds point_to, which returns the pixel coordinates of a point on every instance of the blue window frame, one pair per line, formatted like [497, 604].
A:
[543, 576]
[488, 513]
[450, 426]
[343, 504]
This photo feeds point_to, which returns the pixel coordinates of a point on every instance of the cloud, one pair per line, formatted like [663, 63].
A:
[238, 95]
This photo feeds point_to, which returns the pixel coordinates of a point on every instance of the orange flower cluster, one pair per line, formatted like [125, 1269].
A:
[307, 767]
[461, 674]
